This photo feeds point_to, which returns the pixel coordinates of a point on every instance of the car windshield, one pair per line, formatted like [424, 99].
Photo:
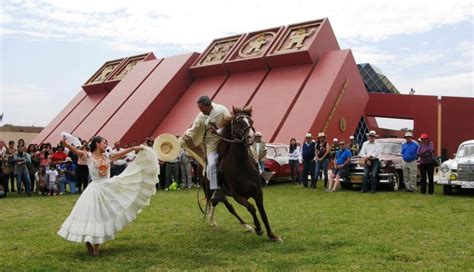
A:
[387, 148]
[466, 151]
[271, 152]
[282, 151]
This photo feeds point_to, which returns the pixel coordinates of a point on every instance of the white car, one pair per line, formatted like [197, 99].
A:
[458, 172]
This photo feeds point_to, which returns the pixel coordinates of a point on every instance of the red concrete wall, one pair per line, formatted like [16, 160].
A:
[314, 104]
[147, 106]
[85, 107]
[423, 110]
[184, 111]
[275, 97]
[456, 122]
[41, 137]
[116, 98]
[239, 89]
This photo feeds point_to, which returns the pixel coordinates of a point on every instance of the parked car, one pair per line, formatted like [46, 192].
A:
[390, 165]
[277, 162]
[458, 172]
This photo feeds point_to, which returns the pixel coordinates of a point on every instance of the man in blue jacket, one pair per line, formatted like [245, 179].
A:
[308, 153]
[409, 151]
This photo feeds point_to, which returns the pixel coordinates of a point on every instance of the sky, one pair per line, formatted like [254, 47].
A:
[49, 48]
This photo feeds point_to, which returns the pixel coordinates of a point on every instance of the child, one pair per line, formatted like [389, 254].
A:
[42, 180]
[53, 176]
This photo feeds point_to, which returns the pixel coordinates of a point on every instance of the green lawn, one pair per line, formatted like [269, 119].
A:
[345, 230]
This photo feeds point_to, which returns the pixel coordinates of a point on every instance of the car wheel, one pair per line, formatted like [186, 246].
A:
[346, 185]
[395, 182]
[447, 189]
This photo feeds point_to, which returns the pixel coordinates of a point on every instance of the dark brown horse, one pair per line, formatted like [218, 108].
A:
[239, 176]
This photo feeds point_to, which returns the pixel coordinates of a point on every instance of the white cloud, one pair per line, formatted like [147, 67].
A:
[461, 84]
[193, 23]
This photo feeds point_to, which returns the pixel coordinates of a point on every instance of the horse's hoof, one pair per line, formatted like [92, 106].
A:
[259, 232]
[248, 228]
[276, 239]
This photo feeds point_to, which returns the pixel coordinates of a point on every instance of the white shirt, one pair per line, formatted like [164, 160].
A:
[296, 154]
[371, 149]
[257, 148]
[120, 161]
[52, 175]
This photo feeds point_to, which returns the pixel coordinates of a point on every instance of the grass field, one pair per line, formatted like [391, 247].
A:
[321, 231]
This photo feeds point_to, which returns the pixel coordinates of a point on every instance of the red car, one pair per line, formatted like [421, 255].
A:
[277, 162]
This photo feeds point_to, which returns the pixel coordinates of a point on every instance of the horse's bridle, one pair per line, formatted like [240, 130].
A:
[240, 132]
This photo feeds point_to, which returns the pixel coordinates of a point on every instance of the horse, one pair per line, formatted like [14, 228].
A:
[239, 176]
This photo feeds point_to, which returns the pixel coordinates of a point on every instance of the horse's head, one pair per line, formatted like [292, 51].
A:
[242, 125]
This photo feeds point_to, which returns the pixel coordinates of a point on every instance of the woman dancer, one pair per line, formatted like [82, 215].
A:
[107, 205]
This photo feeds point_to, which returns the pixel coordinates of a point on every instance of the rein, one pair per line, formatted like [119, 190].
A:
[235, 130]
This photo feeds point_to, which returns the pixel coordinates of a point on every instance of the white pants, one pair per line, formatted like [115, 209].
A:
[212, 169]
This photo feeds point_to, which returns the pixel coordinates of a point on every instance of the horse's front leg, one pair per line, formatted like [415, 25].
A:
[263, 214]
[231, 209]
[244, 202]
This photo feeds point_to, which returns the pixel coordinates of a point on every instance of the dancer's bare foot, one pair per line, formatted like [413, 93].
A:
[96, 250]
[89, 248]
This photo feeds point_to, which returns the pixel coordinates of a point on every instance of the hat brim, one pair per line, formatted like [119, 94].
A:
[166, 147]
[375, 135]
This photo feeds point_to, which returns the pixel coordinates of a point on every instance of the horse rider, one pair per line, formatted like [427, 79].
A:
[205, 130]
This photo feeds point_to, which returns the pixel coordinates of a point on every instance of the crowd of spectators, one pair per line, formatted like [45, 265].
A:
[51, 170]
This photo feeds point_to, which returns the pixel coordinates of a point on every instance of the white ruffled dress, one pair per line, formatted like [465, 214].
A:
[108, 204]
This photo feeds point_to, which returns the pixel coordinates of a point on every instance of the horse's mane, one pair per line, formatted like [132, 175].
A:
[223, 146]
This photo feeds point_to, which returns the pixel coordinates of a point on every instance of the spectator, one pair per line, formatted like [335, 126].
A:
[59, 156]
[82, 172]
[353, 146]
[43, 156]
[3, 176]
[33, 166]
[120, 164]
[425, 155]
[322, 156]
[341, 166]
[69, 169]
[172, 172]
[259, 150]
[21, 160]
[53, 176]
[409, 154]
[42, 181]
[185, 164]
[332, 152]
[370, 153]
[308, 153]
[149, 141]
[294, 161]
[8, 158]
[21, 142]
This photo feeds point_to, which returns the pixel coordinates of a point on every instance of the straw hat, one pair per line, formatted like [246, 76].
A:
[309, 136]
[408, 134]
[258, 134]
[321, 134]
[167, 147]
[372, 133]
[351, 137]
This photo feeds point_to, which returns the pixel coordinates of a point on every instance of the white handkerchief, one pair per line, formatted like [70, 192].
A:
[71, 139]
